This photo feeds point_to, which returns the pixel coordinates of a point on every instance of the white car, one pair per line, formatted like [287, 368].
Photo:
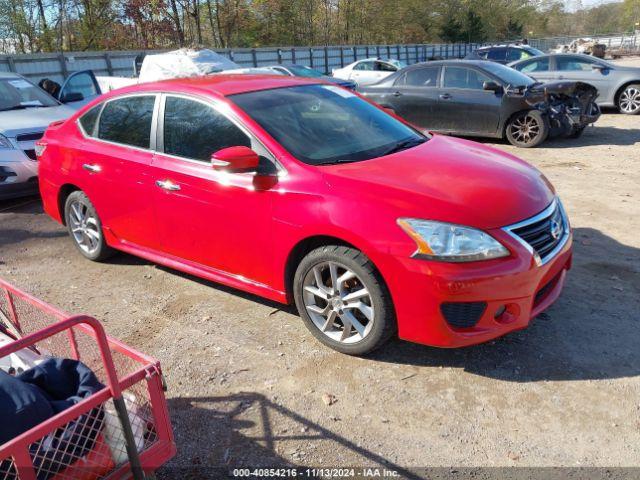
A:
[25, 112]
[368, 71]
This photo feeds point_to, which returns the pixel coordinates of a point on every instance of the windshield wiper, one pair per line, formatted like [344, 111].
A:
[20, 107]
[403, 145]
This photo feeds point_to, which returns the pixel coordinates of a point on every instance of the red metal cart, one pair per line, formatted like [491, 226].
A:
[122, 431]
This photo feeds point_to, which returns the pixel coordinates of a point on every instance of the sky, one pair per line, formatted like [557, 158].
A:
[571, 4]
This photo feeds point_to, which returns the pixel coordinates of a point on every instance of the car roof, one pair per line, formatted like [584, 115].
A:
[504, 45]
[567, 54]
[220, 85]
[472, 62]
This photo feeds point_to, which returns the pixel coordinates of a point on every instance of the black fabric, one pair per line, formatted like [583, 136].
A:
[45, 390]
[22, 407]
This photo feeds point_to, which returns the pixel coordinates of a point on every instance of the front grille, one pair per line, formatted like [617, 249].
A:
[543, 232]
[29, 137]
[31, 154]
[463, 314]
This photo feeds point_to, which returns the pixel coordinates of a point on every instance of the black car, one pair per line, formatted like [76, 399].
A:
[480, 98]
[504, 53]
[294, 70]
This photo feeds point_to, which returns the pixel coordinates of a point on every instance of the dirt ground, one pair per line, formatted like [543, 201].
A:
[246, 380]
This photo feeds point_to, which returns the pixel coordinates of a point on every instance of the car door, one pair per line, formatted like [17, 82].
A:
[464, 106]
[579, 68]
[538, 68]
[208, 217]
[79, 89]
[414, 97]
[113, 164]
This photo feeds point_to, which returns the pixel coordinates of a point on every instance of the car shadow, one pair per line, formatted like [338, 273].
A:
[249, 430]
[593, 136]
[591, 333]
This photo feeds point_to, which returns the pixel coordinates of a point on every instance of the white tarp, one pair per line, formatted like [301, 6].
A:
[183, 63]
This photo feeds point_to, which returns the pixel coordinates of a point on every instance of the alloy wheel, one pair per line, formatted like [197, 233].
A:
[630, 100]
[525, 129]
[84, 227]
[338, 302]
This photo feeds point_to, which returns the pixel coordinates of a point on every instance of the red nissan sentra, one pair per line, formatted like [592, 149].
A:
[304, 192]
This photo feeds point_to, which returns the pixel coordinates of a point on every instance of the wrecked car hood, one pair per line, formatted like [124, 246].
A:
[541, 91]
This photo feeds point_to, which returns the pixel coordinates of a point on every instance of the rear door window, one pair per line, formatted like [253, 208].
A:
[536, 65]
[195, 131]
[128, 121]
[364, 66]
[421, 77]
[515, 54]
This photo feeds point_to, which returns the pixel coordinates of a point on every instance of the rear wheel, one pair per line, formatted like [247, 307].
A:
[343, 301]
[629, 100]
[527, 129]
[85, 227]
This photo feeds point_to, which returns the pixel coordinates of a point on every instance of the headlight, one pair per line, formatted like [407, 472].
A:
[4, 142]
[451, 243]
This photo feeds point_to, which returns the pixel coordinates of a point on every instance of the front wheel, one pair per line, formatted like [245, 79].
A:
[85, 227]
[629, 100]
[527, 129]
[343, 300]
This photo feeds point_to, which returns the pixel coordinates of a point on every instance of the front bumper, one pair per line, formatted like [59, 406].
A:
[18, 174]
[517, 284]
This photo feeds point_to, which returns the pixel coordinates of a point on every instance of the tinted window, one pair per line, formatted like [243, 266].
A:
[385, 67]
[461, 77]
[573, 64]
[196, 131]
[482, 53]
[364, 66]
[321, 124]
[539, 65]
[497, 54]
[421, 77]
[127, 121]
[508, 75]
[88, 120]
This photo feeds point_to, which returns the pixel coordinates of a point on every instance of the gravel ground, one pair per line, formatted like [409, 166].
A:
[248, 386]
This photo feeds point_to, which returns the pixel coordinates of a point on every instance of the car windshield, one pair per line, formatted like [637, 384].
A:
[323, 124]
[16, 93]
[508, 75]
[301, 71]
[398, 63]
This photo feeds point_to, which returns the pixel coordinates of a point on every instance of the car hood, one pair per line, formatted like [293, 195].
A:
[448, 179]
[15, 122]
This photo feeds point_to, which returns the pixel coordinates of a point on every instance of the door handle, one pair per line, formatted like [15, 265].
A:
[561, 77]
[445, 96]
[167, 185]
[397, 94]
[92, 167]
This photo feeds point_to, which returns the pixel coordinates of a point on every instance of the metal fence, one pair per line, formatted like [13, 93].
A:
[57, 66]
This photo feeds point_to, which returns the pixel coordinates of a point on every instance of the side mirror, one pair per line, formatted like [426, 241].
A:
[234, 159]
[492, 86]
[72, 97]
[600, 68]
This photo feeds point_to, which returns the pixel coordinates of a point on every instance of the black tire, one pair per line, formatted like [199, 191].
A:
[628, 101]
[101, 251]
[383, 325]
[527, 129]
[577, 133]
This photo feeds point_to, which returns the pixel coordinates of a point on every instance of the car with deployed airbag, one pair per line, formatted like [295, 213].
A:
[306, 193]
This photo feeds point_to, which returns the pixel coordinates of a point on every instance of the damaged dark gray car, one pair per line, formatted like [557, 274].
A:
[480, 98]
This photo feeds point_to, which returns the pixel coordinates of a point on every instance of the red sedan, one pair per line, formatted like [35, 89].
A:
[304, 192]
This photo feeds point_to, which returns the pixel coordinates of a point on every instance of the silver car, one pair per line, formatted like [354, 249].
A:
[618, 86]
[25, 112]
